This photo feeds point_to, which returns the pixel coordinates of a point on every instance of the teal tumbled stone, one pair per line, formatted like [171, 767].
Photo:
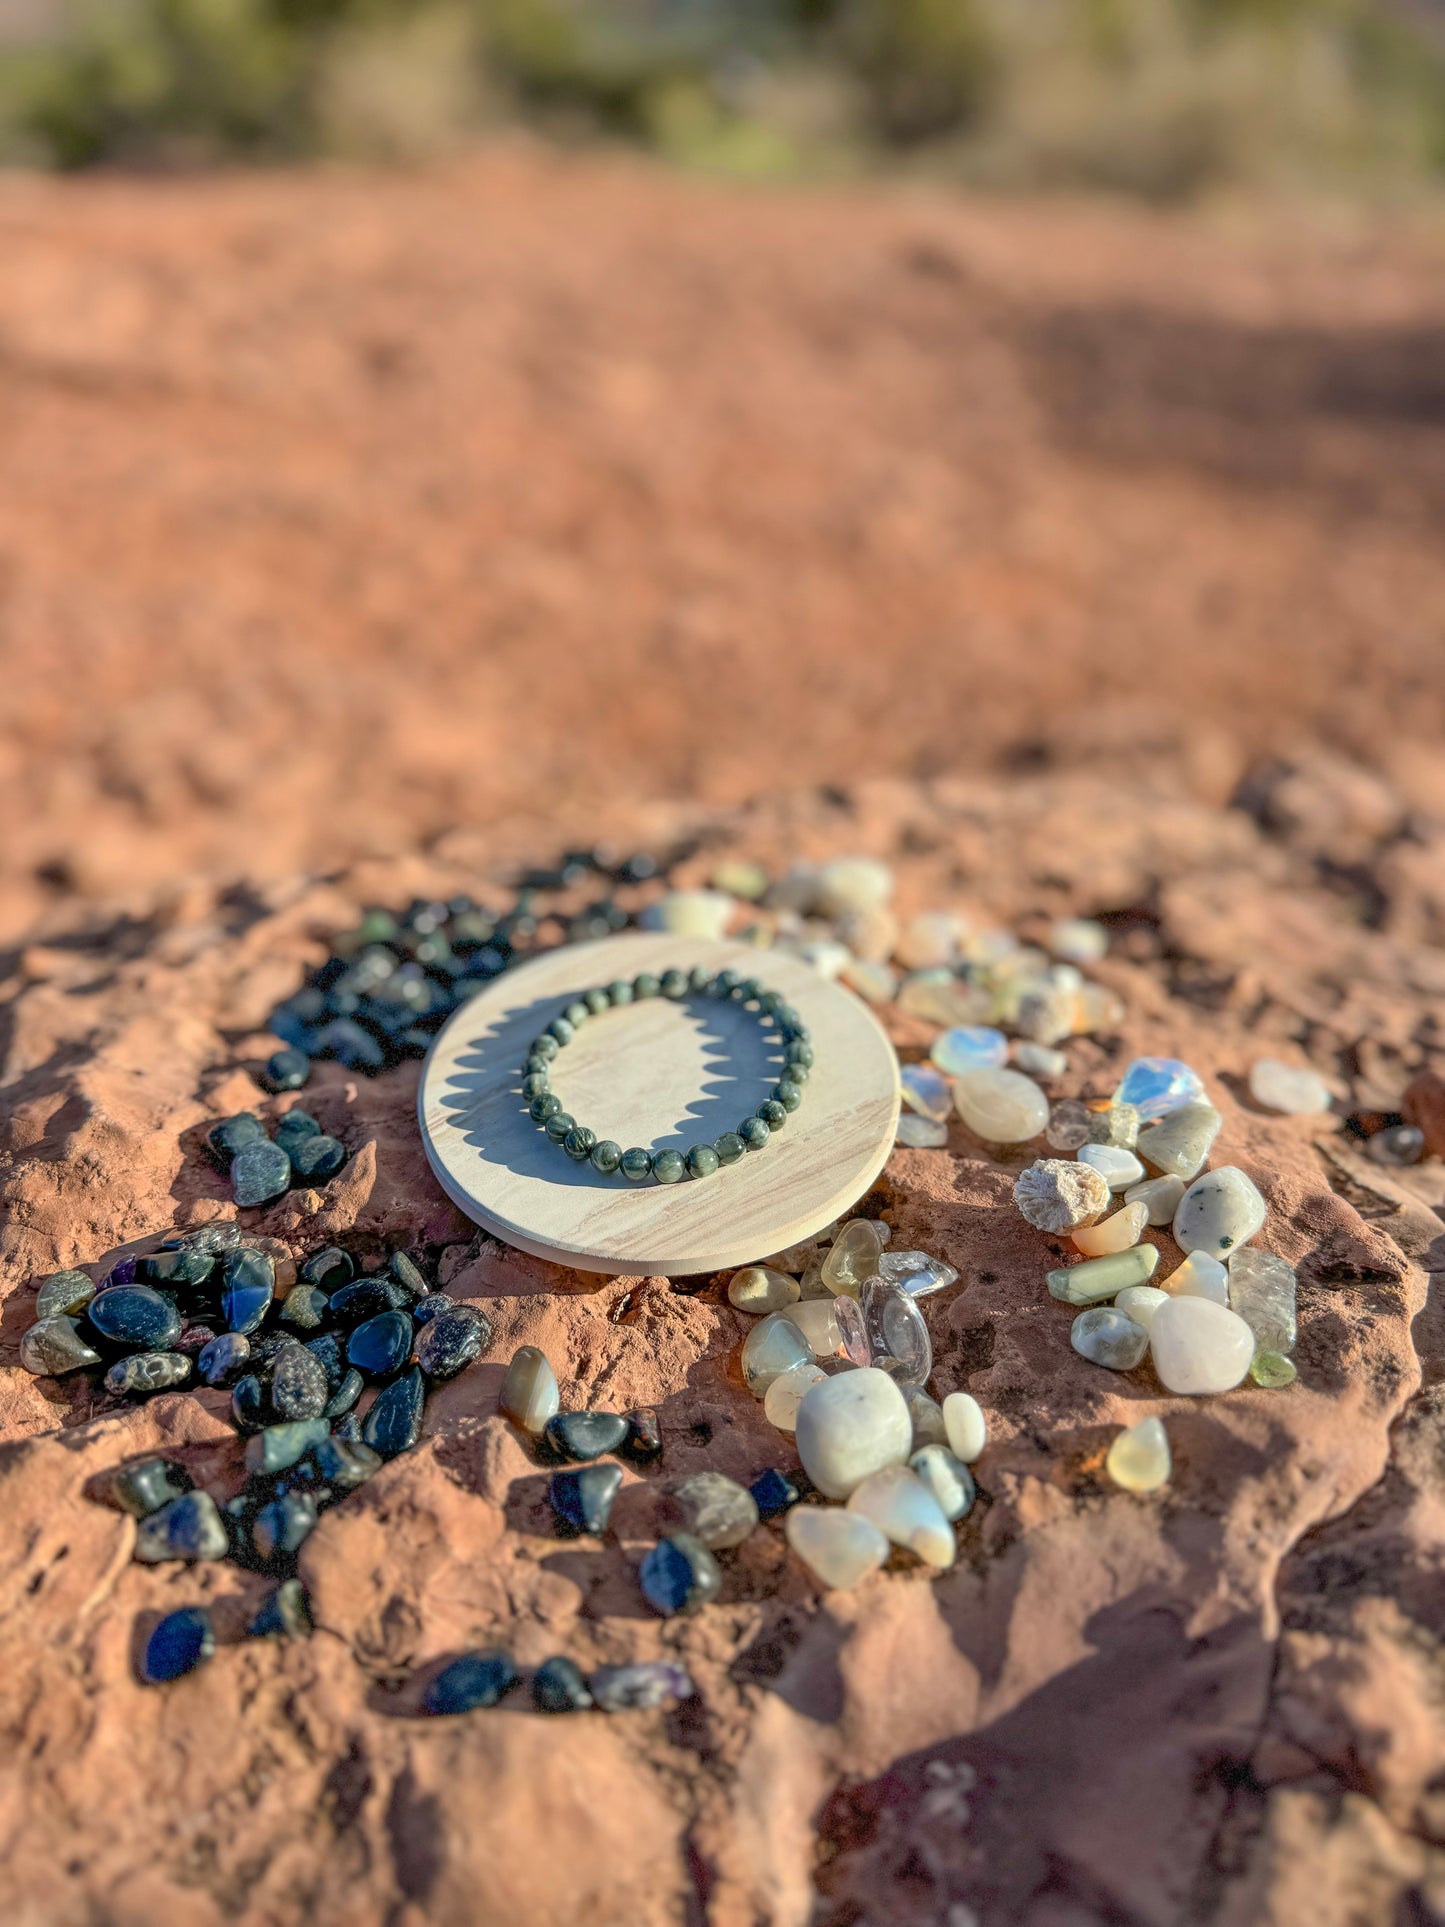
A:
[636, 1164]
[644, 984]
[673, 983]
[535, 1083]
[668, 1167]
[772, 1114]
[620, 992]
[788, 1094]
[545, 1105]
[562, 1030]
[729, 1147]
[558, 1125]
[702, 1161]
[754, 1133]
[606, 1156]
[579, 1143]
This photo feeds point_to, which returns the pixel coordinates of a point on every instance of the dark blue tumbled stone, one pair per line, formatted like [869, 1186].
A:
[281, 1527]
[350, 1044]
[188, 1528]
[249, 1404]
[224, 1358]
[176, 1269]
[343, 1465]
[134, 1318]
[349, 1428]
[332, 1353]
[330, 1269]
[582, 1499]
[298, 1383]
[476, 1679]
[382, 1345]
[448, 1344]
[393, 1424]
[232, 1134]
[367, 1298]
[260, 1172]
[558, 1686]
[276, 1447]
[679, 1575]
[345, 1395]
[432, 1306]
[248, 1287]
[315, 1160]
[773, 1493]
[145, 1486]
[180, 1642]
[585, 1435]
[283, 1614]
[286, 1070]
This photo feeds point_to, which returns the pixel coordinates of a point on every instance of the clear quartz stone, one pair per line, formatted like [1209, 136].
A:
[926, 1091]
[853, 1259]
[903, 1508]
[919, 1274]
[1158, 1085]
[817, 1320]
[529, 1391]
[897, 1330]
[839, 1547]
[852, 1331]
[927, 1416]
[1262, 1291]
[1139, 1458]
[772, 1347]
[1001, 1106]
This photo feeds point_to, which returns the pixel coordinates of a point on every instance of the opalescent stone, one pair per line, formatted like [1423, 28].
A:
[1001, 1106]
[1200, 1276]
[714, 1509]
[851, 1425]
[1272, 1370]
[529, 1395]
[1106, 1337]
[786, 1394]
[969, 1047]
[853, 1259]
[250, 1284]
[966, 1426]
[1117, 1233]
[1284, 1087]
[904, 1509]
[1159, 1196]
[1096, 1278]
[1158, 1085]
[947, 1478]
[1262, 1291]
[1219, 1212]
[838, 1547]
[63, 1295]
[773, 1346]
[55, 1346]
[919, 1274]
[1139, 1457]
[920, 1133]
[757, 1290]
[1199, 1346]
[897, 1330]
[926, 1091]
[1118, 1168]
[1140, 1302]
[1179, 1144]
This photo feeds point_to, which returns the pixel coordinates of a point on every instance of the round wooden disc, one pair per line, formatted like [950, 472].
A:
[660, 1074]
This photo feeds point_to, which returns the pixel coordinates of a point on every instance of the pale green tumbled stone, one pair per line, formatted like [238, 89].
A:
[1179, 1143]
[1272, 1370]
[853, 1259]
[1159, 1196]
[1098, 1278]
[1139, 1459]
[773, 1346]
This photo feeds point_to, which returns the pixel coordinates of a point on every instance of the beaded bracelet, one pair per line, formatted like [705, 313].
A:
[667, 1167]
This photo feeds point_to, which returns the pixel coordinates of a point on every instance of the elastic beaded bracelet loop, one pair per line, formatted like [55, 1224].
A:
[668, 1166]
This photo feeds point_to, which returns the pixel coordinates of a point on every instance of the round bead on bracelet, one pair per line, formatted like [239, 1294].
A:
[668, 1166]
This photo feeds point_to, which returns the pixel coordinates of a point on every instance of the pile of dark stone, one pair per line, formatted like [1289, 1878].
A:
[262, 1167]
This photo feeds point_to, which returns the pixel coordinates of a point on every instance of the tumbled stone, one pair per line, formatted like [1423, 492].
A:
[472, 1681]
[1138, 1460]
[315, 1160]
[345, 1395]
[282, 1527]
[260, 1171]
[143, 1373]
[299, 1388]
[905, 1510]
[640, 1687]
[305, 1308]
[1140, 1302]
[773, 1492]
[194, 1340]
[1096, 1278]
[1200, 1276]
[1272, 1370]
[249, 1403]
[713, 1508]
[1068, 1125]
[276, 1447]
[1055, 1194]
[582, 1497]
[582, 1436]
[286, 1069]
[849, 1426]
[329, 1348]
[178, 1644]
[679, 1575]
[64, 1294]
[1078, 939]
[447, 1345]
[145, 1486]
[295, 1125]
[947, 1478]
[1116, 1233]
[283, 1614]
[329, 1270]
[55, 1346]
[786, 1394]
[774, 1345]
[968, 1047]
[1110, 1123]
[930, 940]
[187, 1528]
[393, 1425]
[854, 1343]
[381, 1345]
[817, 1320]
[558, 1686]
[368, 1298]
[853, 1259]
[853, 883]
[897, 1331]
[1286, 1088]
[1262, 1289]
[690, 913]
[1219, 1212]
[248, 1289]
[529, 1394]
[1118, 1168]
[927, 1416]
[423, 1310]
[757, 1290]
[342, 1464]
[1180, 1143]
[231, 1135]
[877, 982]
[1159, 1197]
[1397, 1144]
[1001, 1106]
[1106, 1337]
[175, 1269]
[1158, 1085]
[966, 1426]
[926, 1091]
[134, 1318]
[838, 1546]
[920, 1133]
[122, 1272]
[1037, 1060]
[1199, 1346]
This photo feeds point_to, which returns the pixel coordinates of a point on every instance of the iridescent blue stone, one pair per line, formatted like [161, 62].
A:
[773, 1493]
[381, 1345]
[1157, 1085]
[282, 1527]
[393, 1424]
[250, 1284]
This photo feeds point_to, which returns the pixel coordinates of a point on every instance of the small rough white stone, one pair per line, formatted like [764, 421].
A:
[838, 1546]
[1200, 1276]
[1160, 1197]
[1118, 1233]
[967, 1428]
[1139, 1458]
[1119, 1168]
[1001, 1106]
[1058, 1194]
[1199, 1346]
[757, 1290]
[902, 1507]
[1179, 1143]
[786, 1394]
[1140, 1302]
[1219, 1212]
[852, 1425]
[1284, 1087]
[947, 1478]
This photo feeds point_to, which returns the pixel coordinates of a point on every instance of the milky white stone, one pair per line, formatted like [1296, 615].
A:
[1262, 1291]
[1200, 1276]
[1218, 1212]
[920, 1133]
[901, 1505]
[756, 1290]
[852, 1425]
[967, 1427]
[918, 1273]
[947, 1478]
[1078, 939]
[772, 1347]
[928, 941]
[828, 958]
[1284, 1087]
[1001, 1106]
[1159, 1196]
[1140, 1302]
[529, 1395]
[853, 1259]
[1119, 1168]
[1037, 1060]
[1117, 1233]
[741, 879]
[1139, 1457]
[943, 999]
[690, 913]
[926, 1091]
[969, 1047]
[838, 1546]
[1059, 1194]
[1179, 1143]
[853, 883]
[874, 981]
[869, 934]
[1199, 1346]
[785, 1395]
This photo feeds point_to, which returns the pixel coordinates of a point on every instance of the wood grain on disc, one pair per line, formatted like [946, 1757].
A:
[659, 1074]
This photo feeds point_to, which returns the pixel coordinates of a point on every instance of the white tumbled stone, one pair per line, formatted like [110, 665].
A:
[966, 1425]
[903, 1508]
[1001, 1106]
[757, 1289]
[690, 913]
[920, 1133]
[1286, 1088]
[1200, 1276]
[1037, 1060]
[838, 1546]
[1159, 1196]
[853, 883]
[1118, 1168]
[1179, 1143]
[1199, 1346]
[1139, 1458]
[786, 1394]
[947, 1478]
[1140, 1302]
[852, 1425]
[1059, 1194]
[1219, 1212]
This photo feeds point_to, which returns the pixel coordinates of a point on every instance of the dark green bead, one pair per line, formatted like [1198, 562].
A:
[787, 1016]
[577, 1014]
[579, 1143]
[645, 985]
[636, 1164]
[668, 1166]
[797, 1073]
[535, 1083]
[620, 992]
[772, 1114]
[536, 1063]
[545, 1105]
[749, 990]
[754, 1133]
[673, 983]
[724, 983]
[596, 1001]
[771, 1002]
[559, 1124]
[699, 978]
[606, 1157]
[561, 1030]
[545, 1046]
[702, 1161]
[787, 1094]
[729, 1147]
[799, 1053]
